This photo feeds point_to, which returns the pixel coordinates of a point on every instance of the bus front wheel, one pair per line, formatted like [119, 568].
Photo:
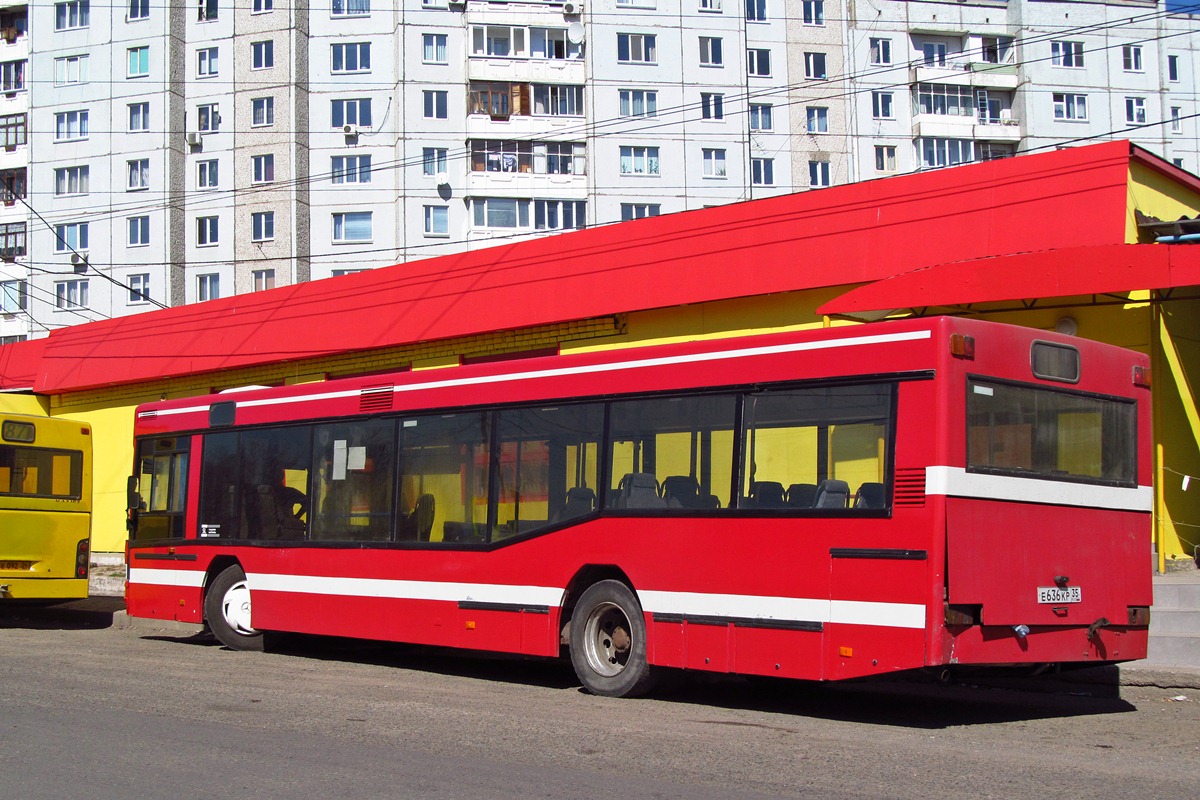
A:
[608, 641]
[227, 610]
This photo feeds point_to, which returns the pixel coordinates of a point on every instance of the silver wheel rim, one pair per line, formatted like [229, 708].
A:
[235, 609]
[607, 641]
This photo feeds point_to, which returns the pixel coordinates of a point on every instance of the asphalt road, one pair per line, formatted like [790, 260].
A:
[93, 711]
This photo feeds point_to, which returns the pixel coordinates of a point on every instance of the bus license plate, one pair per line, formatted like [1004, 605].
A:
[1059, 594]
[22, 565]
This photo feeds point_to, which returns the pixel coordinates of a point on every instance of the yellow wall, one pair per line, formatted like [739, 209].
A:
[24, 404]
[1177, 428]
[1156, 195]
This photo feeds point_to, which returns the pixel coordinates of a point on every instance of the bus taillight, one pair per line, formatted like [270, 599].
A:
[962, 346]
[1141, 377]
[81, 559]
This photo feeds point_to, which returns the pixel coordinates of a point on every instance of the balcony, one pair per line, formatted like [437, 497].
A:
[939, 126]
[967, 72]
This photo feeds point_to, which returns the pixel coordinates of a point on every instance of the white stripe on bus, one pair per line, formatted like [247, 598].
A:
[588, 369]
[757, 607]
[957, 482]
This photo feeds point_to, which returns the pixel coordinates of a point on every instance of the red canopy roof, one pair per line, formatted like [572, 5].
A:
[846, 234]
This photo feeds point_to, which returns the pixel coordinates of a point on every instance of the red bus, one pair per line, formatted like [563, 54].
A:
[819, 505]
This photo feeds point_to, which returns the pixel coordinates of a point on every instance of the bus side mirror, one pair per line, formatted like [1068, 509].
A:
[133, 500]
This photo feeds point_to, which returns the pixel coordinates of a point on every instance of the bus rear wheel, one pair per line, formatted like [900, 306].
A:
[608, 641]
[227, 611]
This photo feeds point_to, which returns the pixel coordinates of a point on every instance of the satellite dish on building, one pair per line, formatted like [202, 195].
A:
[575, 33]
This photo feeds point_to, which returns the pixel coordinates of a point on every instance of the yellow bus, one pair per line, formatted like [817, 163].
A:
[45, 508]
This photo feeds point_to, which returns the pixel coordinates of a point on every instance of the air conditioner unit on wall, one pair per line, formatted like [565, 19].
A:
[351, 130]
[194, 138]
[458, 5]
[573, 7]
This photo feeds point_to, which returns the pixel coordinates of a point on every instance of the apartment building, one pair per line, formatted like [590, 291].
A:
[162, 154]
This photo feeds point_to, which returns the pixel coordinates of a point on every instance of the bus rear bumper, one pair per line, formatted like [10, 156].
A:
[43, 589]
[1003, 644]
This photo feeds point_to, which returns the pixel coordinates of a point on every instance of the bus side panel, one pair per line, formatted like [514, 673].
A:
[39, 552]
[783, 653]
[166, 585]
[878, 609]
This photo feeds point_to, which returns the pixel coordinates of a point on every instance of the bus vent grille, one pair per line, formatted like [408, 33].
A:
[375, 398]
[910, 487]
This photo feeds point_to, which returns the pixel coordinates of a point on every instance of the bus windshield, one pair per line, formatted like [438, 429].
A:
[1033, 431]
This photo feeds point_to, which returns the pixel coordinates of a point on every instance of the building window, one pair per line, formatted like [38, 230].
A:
[12, 239]
[881, 105]
[207, 231]
[818, 174]
[208, 287]
[710, 51]
[818, 119]
[758, 62]
[814, 66]
[139, 286]
[70, 237]
[494, 99]
[760, 117]
[813, 12]
[994, 49]
[638, 103]
[208, 10]
[71, 180]
[13, 185]
[714, 162]
[885, 158]
[636, 48]
[12, 76]
[356, 113]
[70, 69]
[70, 125]
[1173, 69]
[262, 111]
[712, 106]
[498, 41]
[352, 227]
[139, 62]
[1135, 110]
[206, 174]
[437, 221]
[1066, 54]
[1131, 58]
[206, 62]
[139, 231]
[1176, 119]
[1070, 106]
[637, 160]
[934, 53]
[553, 44]
[264, 168]
[139, 174]
[946, 100]
[561, 159]
[351, 169]
[433, 52]
[945, 152]
[762, 171]
[351, 8]
[264, 279]
[353, 57]
[557, 100]
[262, 6]
[13, 130]
[263, 226]
[435, 104]
[71, 15]
[208, 119]
[502, 155]
[71, 294]
[139, 117]
[14, 296]
[500, 212]
[638, 210]
[262, 55]
[433, 160]
[880, 50]
[559, 215]
[710, 6]
[756, 10]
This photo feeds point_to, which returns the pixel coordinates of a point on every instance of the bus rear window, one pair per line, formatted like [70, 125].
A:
[39, 472]
[1031, 431]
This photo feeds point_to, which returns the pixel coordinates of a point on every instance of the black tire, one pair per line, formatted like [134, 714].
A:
[227, 611]
[608, 641]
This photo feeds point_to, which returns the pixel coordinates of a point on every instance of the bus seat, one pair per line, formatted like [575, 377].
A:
[801, 495]
[870, 495]
[682, 491]
[832, 494]
[422, 517]
[580, 500]
[639, 490]
[767, 494]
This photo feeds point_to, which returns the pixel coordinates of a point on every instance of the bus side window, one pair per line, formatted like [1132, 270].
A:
[353, 481]
[444, 469]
